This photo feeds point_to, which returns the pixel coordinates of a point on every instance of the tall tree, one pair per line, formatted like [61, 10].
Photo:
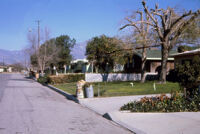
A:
[48, 54]
[169, 26]
[98, 51]
[65, 43]
[142, 35]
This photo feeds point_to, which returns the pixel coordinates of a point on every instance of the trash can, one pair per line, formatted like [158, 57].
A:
[89, 92]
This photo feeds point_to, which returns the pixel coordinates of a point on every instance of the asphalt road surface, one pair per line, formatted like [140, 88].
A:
[26, 107]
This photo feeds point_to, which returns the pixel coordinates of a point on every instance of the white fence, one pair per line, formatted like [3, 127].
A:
[97, 77]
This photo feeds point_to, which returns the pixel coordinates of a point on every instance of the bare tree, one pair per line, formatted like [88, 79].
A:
[32, 42]
[168, 26]
[27, 54]
[43, 54]
[31, 48]
[142, 35]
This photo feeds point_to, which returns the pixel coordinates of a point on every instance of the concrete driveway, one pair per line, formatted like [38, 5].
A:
[145, 123]
[108, 104]
[26, 107]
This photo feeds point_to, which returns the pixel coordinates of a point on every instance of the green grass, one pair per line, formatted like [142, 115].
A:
[124, 88]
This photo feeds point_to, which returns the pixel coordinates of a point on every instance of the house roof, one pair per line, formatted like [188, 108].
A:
[2, 66]
[192, 52]
[155, 54]
[78, 60]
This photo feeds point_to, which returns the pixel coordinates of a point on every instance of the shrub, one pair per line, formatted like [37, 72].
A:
[184, 48]
[66, 78]
[188, 74]
[163, 103]
[31, 74]
[43, 79]
[172, 76]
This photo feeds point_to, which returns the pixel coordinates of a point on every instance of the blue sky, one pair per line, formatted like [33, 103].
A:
[80, 19]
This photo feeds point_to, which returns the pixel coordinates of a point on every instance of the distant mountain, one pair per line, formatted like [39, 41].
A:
[11, 57]
[78, 52]
[18, 56]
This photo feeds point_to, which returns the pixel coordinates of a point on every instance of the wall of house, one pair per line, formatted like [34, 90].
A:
[97, 77]
[170, 65]
[1, 70]
[9, 69]
[179, 59]
[156, 65]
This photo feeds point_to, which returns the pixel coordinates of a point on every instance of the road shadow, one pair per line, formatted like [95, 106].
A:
[28, 77]
[19, 80]
[68, 96]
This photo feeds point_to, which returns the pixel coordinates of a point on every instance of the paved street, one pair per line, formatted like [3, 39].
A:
[27, 107]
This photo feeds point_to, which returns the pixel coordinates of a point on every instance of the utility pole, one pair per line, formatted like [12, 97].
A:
[38, 45]
[3, 60]
[38, 22]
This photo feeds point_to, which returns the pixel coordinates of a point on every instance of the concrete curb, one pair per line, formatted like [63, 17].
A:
[112, 116]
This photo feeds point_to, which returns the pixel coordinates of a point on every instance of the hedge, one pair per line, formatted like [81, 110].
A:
[43, 79]
[66, 78]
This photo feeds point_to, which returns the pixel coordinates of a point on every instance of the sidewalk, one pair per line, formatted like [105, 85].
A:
[144, 123]
[108, 104]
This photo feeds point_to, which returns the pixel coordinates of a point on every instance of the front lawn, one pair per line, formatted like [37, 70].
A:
[124, 88]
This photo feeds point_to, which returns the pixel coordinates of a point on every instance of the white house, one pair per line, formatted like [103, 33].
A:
[9, 69]
[80, 66]
[2, 68]
[5, 69]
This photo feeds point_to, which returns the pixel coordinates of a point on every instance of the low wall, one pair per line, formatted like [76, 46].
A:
[97, 77]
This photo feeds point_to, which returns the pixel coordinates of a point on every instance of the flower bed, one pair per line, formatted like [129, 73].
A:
[163, 103]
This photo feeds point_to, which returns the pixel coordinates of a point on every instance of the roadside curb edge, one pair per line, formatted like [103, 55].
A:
[68, 95]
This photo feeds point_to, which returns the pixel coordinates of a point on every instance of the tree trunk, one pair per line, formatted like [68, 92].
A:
[143, 71]
[185, 92]
[42, 69]
[65, 67]
[163, 73]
